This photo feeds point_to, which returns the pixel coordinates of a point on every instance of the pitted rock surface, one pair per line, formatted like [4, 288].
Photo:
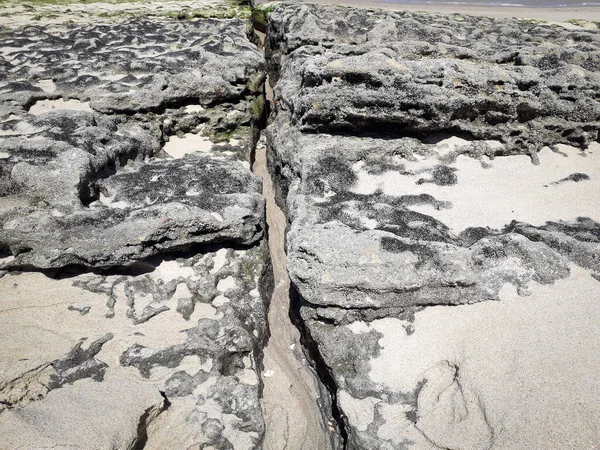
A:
[442, 236]
[404, 74]
[75, 184]
[132, 65]
[61, 210]
[135, 281]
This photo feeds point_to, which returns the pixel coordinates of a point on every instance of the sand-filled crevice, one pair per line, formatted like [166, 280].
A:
[297, 401]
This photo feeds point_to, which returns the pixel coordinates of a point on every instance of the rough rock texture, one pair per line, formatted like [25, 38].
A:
[61, 160]
[131, 66]
[443, 257]
[525, 84]
[135, 275]
[60, 209]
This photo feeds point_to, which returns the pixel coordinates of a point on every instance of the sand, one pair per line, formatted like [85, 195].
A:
[178, 147]
[44, 106]
[501, 190]
[290, 395]
[532, 367]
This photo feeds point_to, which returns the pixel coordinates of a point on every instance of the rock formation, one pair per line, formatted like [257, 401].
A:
[438, 176]
[135, 282]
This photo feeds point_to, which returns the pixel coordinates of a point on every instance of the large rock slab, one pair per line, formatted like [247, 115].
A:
[171, 69]
[61, 205]
[442, 244]
[61, 210]
[402, 73]
[131, 233]
[373, 230]
[79, 187]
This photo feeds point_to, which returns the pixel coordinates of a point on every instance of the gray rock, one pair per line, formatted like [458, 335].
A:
[56, 157]
[439, 270]
[130, 66]
[411, 74]
[69, 210]
[345, 247]
[75, 186]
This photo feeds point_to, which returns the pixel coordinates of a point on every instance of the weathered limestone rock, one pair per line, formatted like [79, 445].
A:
[133, 65]
[66, 198]
[135, 284]
[63, 206]
[443, 223]
[401, 73]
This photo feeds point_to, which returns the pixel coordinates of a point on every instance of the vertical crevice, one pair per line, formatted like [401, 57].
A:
[311, 350]
[299, 413]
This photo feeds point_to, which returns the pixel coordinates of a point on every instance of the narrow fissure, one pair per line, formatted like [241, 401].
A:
[296, 401]
[323, 372]
[292, 390]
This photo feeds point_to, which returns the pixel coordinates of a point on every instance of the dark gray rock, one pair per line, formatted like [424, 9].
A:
[398, 146]
[133, 65]
[71, 193]
[405, 74]
[69, 210]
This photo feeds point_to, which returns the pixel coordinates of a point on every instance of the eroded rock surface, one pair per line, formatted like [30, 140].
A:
[525, 84]
[443, 222]
[154, 81]
[64, 207]
[135, 274]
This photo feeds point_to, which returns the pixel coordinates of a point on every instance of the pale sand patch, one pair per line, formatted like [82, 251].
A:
[360, 412]
[43, 106]
[109, 201]
[219, 260]
[178, 147]
[531, 362]
[22, 128]
[513, 188]
[46, 86]
[37, 327]
[171, 270]
[226, 283]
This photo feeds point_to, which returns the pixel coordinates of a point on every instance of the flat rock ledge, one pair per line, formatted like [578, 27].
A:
[134, 270]
[439, 175]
